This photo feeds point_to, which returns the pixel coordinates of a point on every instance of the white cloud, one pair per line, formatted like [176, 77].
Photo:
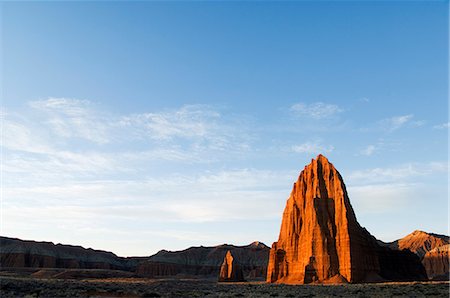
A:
[442, 126]
[46, 146]
[190, 121]
[394, 123]
[312, 148]
[69, 118]
[202, 126]
[369, 150]
[317, 110]
[20, 137]
[68, 106]
[400, 173]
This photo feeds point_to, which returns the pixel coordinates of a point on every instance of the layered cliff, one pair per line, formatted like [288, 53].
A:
[321, 241]
[16, 253]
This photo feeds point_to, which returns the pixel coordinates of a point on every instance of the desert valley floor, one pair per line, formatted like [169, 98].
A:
[13, 285]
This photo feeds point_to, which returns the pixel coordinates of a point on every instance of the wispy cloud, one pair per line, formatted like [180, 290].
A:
[63, 139]
[369, 150]
[317, 110]
[201, 125]
[401, 173]
[442, 126]
[315, 147]
[374, 148]
[394, 123]
[69, 118]
[191, 121]
[23, 137]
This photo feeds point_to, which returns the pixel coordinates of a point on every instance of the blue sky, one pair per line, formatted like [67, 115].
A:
[135, 127]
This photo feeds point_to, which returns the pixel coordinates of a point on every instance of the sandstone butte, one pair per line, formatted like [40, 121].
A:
[230, 269]
[321, 241]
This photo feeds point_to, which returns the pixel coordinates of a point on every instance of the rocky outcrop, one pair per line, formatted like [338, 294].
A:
[321, 241]
[16, 253]
[207, 261]
[431, 248]
[436, 263]
[230, 269]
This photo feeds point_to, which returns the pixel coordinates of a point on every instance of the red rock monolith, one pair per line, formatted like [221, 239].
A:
[320, 239]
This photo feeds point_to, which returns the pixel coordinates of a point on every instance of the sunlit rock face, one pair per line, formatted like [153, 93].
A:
[436, 262]
[321, 241]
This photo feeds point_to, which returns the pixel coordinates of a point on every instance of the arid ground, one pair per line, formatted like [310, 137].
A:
[19, 286]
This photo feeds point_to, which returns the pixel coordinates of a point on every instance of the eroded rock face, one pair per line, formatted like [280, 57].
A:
[320, 239]
[230, 269]
[436, 263]
[431, 248]
[16, 253]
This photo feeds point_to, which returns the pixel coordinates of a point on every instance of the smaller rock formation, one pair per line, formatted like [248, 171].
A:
[230, 269]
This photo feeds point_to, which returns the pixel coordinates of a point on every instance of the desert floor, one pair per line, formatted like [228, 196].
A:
[137, 287]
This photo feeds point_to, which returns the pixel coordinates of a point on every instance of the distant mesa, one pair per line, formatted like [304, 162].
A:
[231, 270]
[321, 241]
[16, 253]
